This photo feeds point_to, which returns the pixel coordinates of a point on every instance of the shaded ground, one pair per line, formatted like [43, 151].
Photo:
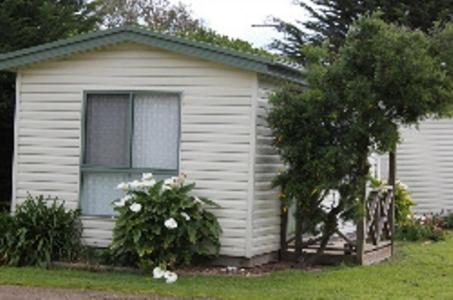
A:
[14, 292]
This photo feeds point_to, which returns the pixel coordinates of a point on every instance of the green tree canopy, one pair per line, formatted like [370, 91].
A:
[26, 23]
[332, 19]
[383, 76]
[160, 15]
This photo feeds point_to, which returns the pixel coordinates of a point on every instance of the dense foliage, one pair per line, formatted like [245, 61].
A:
[160, 15]
[212, 37]
[23, 24]
[331, 20]
[160, 224]
[382, 76]
[420, 228]
[40, 232]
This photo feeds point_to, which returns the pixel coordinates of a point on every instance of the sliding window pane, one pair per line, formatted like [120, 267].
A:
[156, 131]
[107, 130]
[99, 191]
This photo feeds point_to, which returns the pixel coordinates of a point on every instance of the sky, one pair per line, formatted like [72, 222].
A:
[235, 17]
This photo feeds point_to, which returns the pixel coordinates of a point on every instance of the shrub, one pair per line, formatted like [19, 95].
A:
[447, 219]
[7, 229]
[160, 224]
[420, 228]
[41, 231]
[403, 204]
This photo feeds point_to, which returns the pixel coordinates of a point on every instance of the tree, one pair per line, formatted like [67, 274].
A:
[383, 76]
[332, 19]
[159, 15]
[214, 38]
[26, 23]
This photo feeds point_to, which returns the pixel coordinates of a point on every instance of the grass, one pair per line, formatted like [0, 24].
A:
[419, 271]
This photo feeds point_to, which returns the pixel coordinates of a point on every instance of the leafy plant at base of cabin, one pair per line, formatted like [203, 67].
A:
[159, 224]
[448, 220]
[7, 229]
[403, 201]
[39, 232]
[420, 228]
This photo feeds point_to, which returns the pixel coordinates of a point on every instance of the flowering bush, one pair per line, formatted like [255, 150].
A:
[418, 228]
[160, 224]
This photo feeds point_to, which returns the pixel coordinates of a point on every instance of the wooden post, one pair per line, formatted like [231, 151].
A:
[377, 217]
[392, 183]
[392, 168]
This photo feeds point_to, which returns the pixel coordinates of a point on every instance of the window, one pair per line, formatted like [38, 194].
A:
[124, 135]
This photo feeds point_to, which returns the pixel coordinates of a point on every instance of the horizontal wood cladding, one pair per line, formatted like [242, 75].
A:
[215, 130]
[425, 164]
[266, 208]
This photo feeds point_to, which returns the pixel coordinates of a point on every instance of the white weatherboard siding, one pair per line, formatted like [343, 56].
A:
[216, 127]
[266, 208]
[425, 164]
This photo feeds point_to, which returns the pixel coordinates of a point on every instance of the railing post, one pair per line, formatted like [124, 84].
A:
[361, 232]
[392, 219]
[392, 183]
[377, 217]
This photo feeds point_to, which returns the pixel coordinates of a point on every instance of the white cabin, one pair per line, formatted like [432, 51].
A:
[101, 108]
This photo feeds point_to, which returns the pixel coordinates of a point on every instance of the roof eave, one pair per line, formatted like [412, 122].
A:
[59, 49]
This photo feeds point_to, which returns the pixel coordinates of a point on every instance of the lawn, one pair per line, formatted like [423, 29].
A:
[419, 271]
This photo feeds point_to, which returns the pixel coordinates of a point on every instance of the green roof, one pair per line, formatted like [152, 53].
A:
[93, 40]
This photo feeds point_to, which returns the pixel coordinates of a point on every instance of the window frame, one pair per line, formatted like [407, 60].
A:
[89, 168]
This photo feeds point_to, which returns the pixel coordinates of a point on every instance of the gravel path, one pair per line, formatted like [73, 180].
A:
[11, 292]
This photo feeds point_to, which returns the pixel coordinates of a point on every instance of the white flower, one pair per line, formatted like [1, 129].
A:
[171, 223]
[135, 207]
[165, 188]
[403, 186]
[148, 183]
[171, 182]
[185, 216]
[134, 185]
[170, 277]
[147, 176]
[158, 273]
[197, 200]
[121, 202]
[443, 64]
[176, 181]
[123, 186]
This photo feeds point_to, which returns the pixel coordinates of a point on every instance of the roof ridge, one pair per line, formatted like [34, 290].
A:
[171, 42]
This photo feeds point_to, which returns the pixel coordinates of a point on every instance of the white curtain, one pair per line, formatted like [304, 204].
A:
[156, 131]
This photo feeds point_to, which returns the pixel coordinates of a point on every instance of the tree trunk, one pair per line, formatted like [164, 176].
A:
[283, 230]
[299, 225]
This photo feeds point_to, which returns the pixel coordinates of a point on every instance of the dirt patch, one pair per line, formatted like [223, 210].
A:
[200, 269]
[247, 272]
[12, 292]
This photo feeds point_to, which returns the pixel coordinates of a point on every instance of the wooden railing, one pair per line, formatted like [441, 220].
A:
[375, 230]
[373, 239]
